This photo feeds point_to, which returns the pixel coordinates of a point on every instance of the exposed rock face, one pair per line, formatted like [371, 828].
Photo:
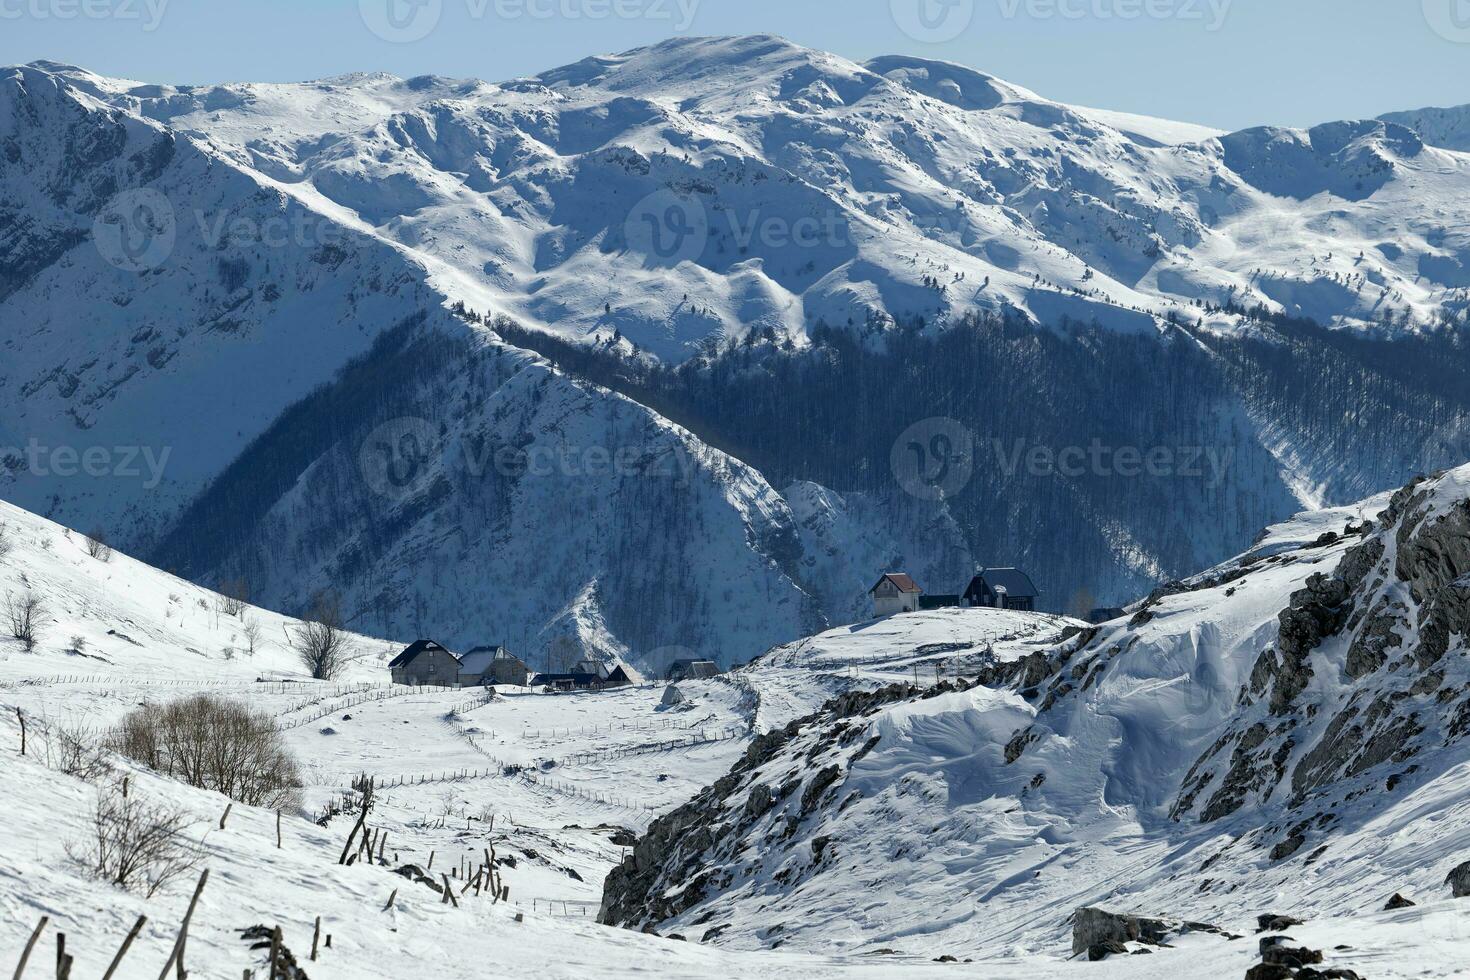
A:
[1459, 880]
[678, 862]
[1383, 621]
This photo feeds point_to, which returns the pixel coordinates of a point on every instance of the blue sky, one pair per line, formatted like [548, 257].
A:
[1228, 63]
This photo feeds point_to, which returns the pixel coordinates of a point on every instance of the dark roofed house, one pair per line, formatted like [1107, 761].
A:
[425, 663]
[895, 593]
[488, 666]
[1002, 588]
[692, 670]
[584, 676]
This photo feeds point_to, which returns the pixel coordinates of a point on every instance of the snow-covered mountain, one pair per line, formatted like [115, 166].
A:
[1284, 734]
[269, 316]
[714, 187]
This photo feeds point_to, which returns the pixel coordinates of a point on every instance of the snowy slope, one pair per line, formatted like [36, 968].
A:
[116, 616]
[1281, 734]
[948, 844]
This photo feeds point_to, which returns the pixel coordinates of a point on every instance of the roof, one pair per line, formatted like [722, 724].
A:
[479, 660]
[413, 650]
[900, 579]
[1014, 582]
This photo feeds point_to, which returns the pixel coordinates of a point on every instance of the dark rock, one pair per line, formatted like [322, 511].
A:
[1294, 957]
[1271, 922]
[1104, 949]
[1091, 927]
[1268, 971]
[1459, 880]
[1398, 902]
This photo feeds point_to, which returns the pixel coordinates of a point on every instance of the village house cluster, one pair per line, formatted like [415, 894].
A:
[430, 664]
[993, 588]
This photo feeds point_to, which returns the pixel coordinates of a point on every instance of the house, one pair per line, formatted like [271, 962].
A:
[565, 682]
[584, 676]
[1002, 588]
[692, 670]
[487, 666]
[895, 593]
[426, 663]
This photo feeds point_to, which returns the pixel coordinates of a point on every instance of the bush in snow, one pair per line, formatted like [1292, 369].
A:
[233, 596]
[75, 751]
[136, 845]
[23, 614]
[214, 744]
[98, 547]
[4, 540]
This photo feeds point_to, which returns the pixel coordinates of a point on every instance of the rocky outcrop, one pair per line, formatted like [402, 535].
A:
[1383, 621]
[1459, 880]
[682, 859]
[1100, 933]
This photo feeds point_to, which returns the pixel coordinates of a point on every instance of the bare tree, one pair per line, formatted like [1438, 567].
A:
[23, 614]
[97, 545]
[234, 595]
[215, 744]
[252, 632]
[320, 640]
[137, 845]
[4, 540]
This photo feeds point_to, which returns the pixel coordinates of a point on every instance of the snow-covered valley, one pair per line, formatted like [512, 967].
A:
[903, 794]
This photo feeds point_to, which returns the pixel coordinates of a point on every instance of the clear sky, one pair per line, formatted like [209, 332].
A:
[1227, 63]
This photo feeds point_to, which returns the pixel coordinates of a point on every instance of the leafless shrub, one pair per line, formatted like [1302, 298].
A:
[4, 540]
[137, 845]
[234, 595]
[23, 614]
[320, 640]
[215, 744]
[97, 545]
[74, 750]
